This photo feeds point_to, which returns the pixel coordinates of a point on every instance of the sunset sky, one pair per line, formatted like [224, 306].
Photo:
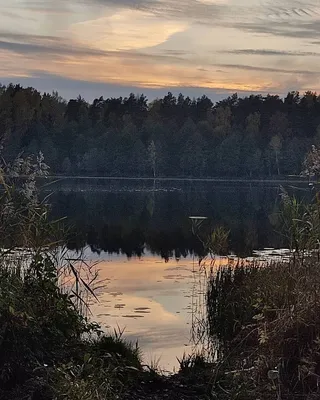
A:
[113, 47]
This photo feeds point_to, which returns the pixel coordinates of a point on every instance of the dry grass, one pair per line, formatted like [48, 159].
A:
[264, 322]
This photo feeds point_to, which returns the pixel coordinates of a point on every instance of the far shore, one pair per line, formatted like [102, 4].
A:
[286, 179]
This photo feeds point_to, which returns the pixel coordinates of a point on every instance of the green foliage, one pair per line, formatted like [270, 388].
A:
[217, 241]
[39, 322]
[48, 348]
[253, 136]
[300, 223]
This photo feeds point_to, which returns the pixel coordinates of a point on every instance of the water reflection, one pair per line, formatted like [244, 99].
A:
[127, 227]
[151, 300]
[132, 220]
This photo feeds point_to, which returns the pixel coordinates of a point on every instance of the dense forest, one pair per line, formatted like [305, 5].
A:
[254, 136]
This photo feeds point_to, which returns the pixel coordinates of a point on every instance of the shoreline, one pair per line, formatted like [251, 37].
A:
[177, 179]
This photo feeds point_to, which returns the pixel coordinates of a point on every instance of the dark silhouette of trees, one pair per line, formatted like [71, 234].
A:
[253, 136]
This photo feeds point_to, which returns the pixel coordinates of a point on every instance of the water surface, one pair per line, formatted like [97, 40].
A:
[140, 233]
[152, 301]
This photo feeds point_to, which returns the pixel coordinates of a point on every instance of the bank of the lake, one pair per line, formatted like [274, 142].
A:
[273, 179]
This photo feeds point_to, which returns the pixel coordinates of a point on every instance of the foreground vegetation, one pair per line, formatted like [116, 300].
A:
[262, 325]
[260, 331]
[49, 350]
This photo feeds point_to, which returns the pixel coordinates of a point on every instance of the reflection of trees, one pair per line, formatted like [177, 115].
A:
[157, 221]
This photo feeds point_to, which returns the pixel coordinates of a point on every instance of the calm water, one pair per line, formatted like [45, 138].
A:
[140, 233]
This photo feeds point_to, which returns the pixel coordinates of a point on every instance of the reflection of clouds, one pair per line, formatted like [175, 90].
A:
[140, 276]
[162, 339]
[115, 294]
[157, 309]
[157, 315]
[174, 277]
[158, 323]
[164, 344]
[179, 268]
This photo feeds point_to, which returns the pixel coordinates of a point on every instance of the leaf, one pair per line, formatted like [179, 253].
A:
[132, 368]
[258, 317]
[87, 358]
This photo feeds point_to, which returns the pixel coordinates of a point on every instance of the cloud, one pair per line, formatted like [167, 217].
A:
[291, 18]
[8, 35]
[131, 69]
[13, 15]
[254, 16]
[285, 10]
[125, 30]
[291, 29]
[133, 4]
[48, 46]
[44, 6]
[194, 10]
[265, 52]
[268, 69]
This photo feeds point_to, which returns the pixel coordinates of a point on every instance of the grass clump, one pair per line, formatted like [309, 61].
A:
[264, 321]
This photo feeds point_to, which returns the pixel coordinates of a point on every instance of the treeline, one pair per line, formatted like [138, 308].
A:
[254, 136]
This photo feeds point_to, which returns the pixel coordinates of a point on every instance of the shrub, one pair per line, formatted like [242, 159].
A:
[48, 348]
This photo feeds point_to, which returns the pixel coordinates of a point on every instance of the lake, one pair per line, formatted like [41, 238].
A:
[140, 233]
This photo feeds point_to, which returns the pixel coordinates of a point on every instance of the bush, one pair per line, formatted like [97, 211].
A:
[48, 348]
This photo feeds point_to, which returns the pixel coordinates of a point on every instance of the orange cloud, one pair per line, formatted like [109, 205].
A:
[128, 71]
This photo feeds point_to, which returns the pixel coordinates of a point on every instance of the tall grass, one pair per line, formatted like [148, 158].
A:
[264, 320]
[261, 325]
